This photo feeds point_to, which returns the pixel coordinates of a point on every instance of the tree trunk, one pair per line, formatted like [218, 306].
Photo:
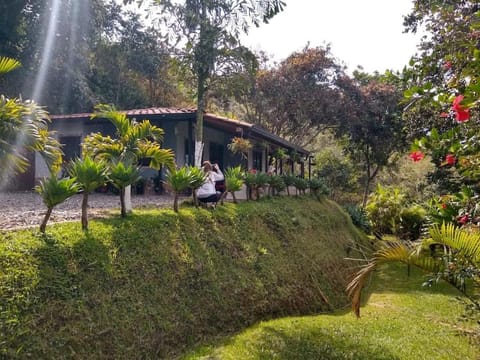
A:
[195, 200]
[175, 202]
[123, 210]
[84, 210]
[43, 225]
[233, 197]
[199, 120]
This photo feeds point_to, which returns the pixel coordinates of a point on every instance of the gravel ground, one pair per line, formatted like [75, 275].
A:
[26, 209]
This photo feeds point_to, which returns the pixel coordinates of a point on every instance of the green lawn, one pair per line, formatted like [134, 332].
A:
[402, 320]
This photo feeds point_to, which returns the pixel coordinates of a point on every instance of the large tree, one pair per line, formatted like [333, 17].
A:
[207, 32]
[300, 97]
[373, 130]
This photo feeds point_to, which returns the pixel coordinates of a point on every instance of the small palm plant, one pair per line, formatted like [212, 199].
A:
[301, 185]
[289, 180]
[451, 254]
[90, 175]
[121, 176]
[178, 181]
[197, 178]
[277, 185]
[318, 187]
[261, 183]
[53, 192]
[234, 180]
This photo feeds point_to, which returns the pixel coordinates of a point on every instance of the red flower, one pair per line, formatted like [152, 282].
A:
[417, 156]
[463, 219]
[461, 114]
[444, 206]
[444, 114]
[252, 171]
[447, 65]
[450, 159]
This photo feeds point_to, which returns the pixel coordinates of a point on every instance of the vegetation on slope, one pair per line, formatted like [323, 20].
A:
[157, 283]
[401, 321]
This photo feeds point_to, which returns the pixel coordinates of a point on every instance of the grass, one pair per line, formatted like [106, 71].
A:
[157, 283]
[402, 320]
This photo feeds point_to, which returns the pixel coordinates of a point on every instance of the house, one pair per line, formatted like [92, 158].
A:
[179, 126]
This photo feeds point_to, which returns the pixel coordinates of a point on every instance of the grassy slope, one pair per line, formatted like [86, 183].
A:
[401, 321]
[157, 283]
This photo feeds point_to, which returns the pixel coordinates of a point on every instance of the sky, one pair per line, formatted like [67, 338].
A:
[360, 32]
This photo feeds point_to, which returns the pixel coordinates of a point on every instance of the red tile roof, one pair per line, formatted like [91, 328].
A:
[211, 118]
[148, 111]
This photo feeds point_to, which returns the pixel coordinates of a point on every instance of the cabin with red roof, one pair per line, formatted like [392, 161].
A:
[179, 127]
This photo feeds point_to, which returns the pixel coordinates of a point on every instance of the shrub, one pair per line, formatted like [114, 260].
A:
[277, 184]
[318, 186]
[301, 184]
[359, 217]
[234, 180]
[411, 223]
[384, 207]
[289, 180]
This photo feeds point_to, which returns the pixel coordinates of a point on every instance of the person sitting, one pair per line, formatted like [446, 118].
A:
[207, 192]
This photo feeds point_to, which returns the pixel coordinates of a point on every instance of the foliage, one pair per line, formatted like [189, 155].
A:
[55, 191]
[289, 180]
[72, 284]
[384, 209]
[374, 131]
[300, 184]
[23, 128]
[122, 175]
[240, 146]
[234, 180]
[337, 171]
[180, 180]
[8, 64]
[318, 186]
[359, 217]
[460, 208]
[294, 99]
[276, 184]
[412, 221]
[209, 32]
[450, 254]
[90, 175]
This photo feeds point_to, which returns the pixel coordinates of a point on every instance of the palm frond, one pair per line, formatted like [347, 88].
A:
[55, 191]
[90, 174]
[158, 157]
[8, 64]
[121, 175]
[117, 118]
[465, 243]
[178, 180]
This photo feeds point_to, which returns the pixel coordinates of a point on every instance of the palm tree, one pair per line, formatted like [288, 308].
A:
[133, 141]
[55, 191]
[197, 178]
[122, 176]
[234, 180]
[90, 175]
[178, 181]
[451, 254]
[23, 128]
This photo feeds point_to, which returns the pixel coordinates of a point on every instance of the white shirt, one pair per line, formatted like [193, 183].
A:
[208, 187]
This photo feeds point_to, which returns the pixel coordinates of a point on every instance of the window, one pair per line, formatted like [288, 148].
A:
[257, 160]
